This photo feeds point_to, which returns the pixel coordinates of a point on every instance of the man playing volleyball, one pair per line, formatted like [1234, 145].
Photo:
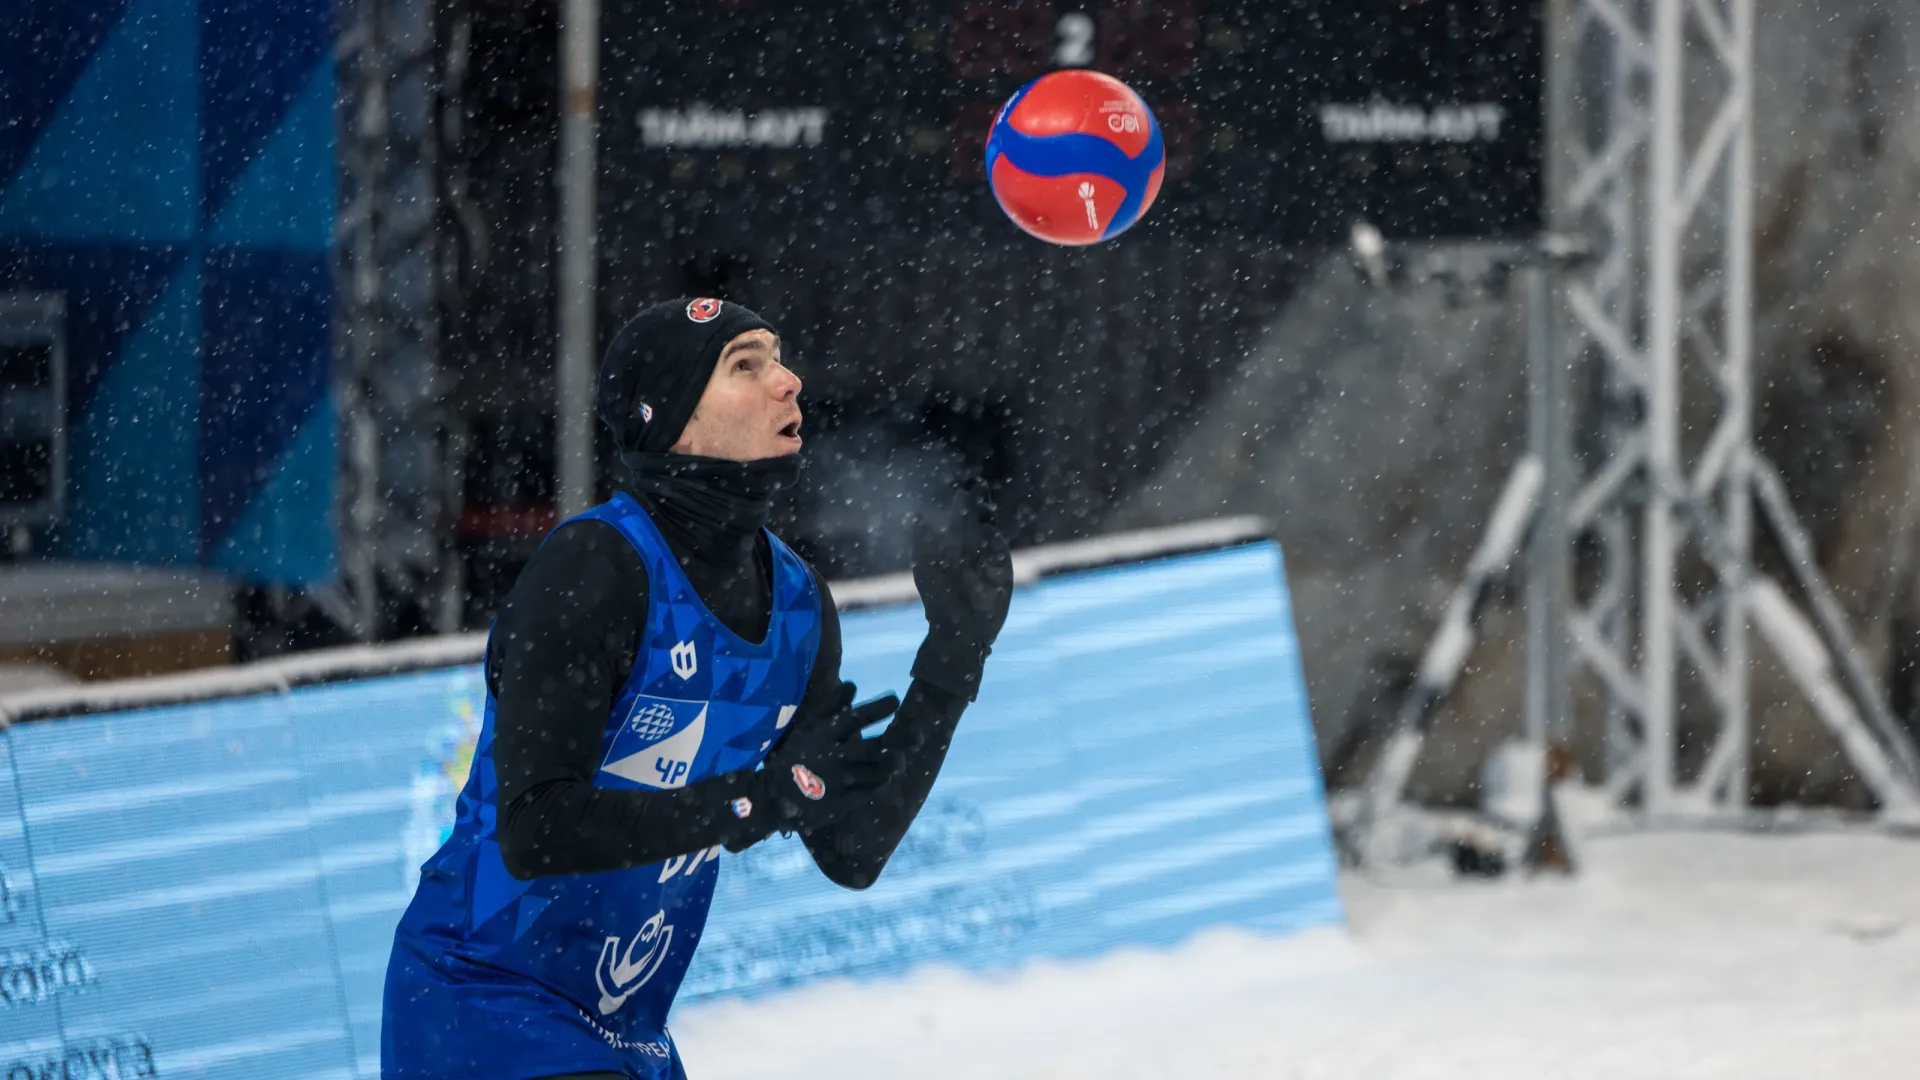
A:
[664, 682]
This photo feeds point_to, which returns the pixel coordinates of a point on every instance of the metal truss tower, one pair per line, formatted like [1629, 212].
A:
[1655, 169]
[1671, 188]
[400, 66]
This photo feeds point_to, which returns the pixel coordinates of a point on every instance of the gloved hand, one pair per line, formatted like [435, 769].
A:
[964, 572]
[821, 765]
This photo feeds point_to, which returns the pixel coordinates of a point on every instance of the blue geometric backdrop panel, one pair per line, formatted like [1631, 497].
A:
[168, 166]
[264, 336]
[257, 59]
[43, 49]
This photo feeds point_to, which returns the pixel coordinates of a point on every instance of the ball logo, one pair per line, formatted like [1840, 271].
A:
[1093, 216]
[810, 785]
[1123, 122]
[704, 309]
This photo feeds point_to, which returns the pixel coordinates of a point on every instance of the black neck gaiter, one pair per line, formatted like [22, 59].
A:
[711, 507]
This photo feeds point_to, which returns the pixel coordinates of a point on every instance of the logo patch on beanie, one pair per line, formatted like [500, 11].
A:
[703, 310]
[646, 413]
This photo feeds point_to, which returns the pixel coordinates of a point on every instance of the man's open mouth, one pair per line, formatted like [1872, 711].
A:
[791, 431]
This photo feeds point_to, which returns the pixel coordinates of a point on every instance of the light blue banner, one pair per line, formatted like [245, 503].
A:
[210, 890]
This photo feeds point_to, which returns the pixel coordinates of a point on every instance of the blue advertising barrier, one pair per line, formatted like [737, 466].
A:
[210, 890]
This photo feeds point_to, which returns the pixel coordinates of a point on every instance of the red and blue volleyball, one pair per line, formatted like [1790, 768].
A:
[1075, 157]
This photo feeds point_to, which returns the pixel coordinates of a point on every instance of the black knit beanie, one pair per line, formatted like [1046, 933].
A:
[658, 366]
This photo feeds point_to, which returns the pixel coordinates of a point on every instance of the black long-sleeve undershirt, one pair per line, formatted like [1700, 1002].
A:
[564, 644]
[853, 852]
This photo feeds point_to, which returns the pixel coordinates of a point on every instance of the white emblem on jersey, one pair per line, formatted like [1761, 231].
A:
[666, 763]
[686, 662]
[618, 975]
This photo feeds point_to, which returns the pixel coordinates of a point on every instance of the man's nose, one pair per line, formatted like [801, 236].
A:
[788, 385]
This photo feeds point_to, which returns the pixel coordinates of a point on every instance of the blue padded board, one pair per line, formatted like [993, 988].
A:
[210, 890]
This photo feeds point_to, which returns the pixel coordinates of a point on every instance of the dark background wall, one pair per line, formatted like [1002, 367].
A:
[935, 338]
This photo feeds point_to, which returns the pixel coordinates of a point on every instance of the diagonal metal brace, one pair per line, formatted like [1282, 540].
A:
[1453, 640]
[1829, 618]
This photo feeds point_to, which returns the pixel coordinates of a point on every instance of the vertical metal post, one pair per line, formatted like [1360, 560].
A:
[1617, 201]
[362, 66]
[1737, 395]
[1546, 611]
[1547, 555]
[1661, 533]
[574, 371]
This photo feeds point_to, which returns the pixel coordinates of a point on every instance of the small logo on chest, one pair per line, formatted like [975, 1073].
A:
[686, 662]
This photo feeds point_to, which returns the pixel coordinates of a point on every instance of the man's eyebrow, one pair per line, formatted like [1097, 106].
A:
[750, 343]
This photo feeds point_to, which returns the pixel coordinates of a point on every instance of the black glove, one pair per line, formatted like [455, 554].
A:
[964, 572]
[820, 767]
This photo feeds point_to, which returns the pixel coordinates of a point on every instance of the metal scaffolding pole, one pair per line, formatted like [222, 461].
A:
[1660, 536]
[1547, 549]
[1737, 388]
[573, 428]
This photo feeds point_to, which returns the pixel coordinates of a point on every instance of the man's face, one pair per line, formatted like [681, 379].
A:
[751, 407]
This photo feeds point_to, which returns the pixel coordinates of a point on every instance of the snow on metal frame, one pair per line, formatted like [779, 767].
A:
[366, 661]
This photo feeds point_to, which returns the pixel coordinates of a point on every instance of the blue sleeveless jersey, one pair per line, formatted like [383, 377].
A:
[492, 977]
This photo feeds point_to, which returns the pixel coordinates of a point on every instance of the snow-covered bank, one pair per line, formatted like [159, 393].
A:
[1672, 955]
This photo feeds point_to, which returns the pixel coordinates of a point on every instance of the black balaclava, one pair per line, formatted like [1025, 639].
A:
[651, 379]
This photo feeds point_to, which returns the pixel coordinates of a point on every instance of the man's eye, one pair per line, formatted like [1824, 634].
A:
[743, 365]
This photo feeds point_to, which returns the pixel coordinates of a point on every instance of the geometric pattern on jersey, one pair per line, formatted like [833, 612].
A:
[577, 972]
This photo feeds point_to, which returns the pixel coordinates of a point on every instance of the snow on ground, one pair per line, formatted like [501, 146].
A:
[1671, 955]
